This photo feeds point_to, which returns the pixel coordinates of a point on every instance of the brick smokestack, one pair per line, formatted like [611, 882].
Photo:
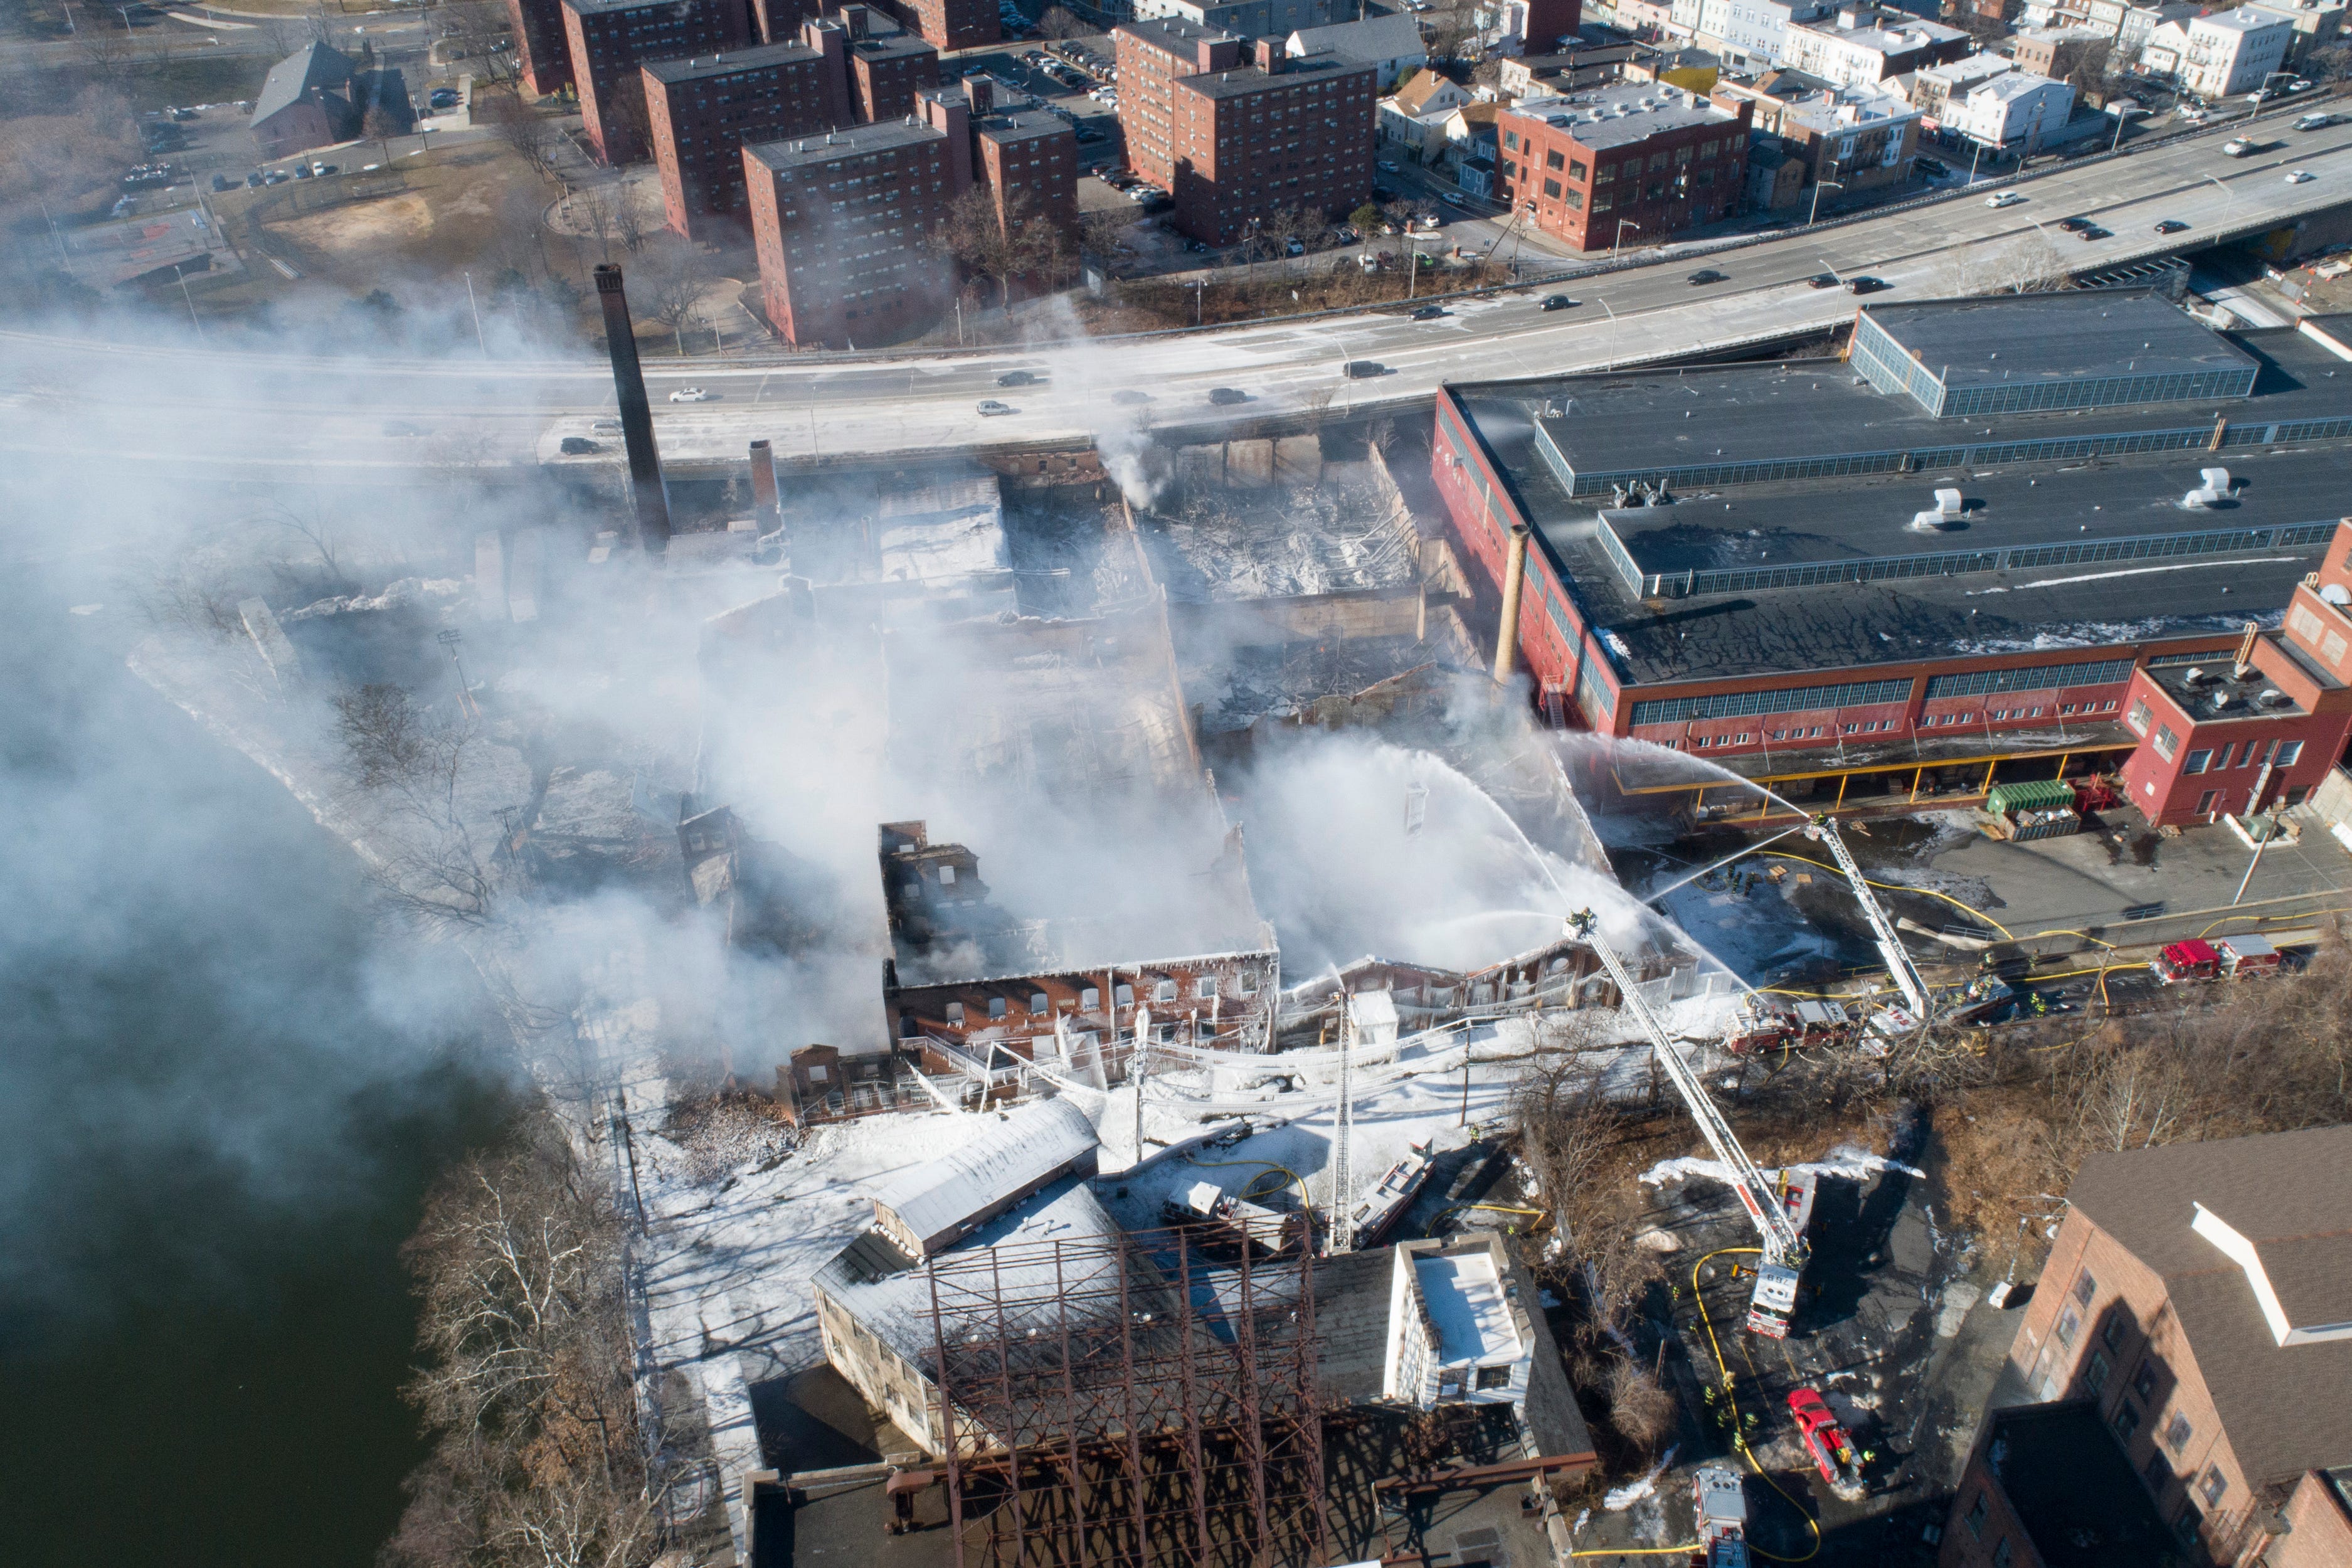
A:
[647, 489]
[1515, 574]
[767, 509]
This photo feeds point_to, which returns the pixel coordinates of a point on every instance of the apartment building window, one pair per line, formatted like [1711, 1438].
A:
[2176, 1432]
[2166, 744]
[2287, 752]
[2095, 1372]
[1555, 159]
[2214, 1484]
[2127, 1422]
[2112, 1331]
[1977, 1511]
[2070, 1323]
[1575, 171]
[2000, 1554]
[1551, 189]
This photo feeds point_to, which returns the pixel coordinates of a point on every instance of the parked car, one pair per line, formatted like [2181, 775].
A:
[1224, 396]
[1388, 166]
[223, 182]
[2299, 177]
[274, 177]
[253, 180]
[442, 98]
[1295, 246]
[1706, 275]
[578, 446]
[990, 408]
[2169, 225]
[2004, 199]
[1557, 302]
[1934, 168]
[1429, 312]
[1017, 378]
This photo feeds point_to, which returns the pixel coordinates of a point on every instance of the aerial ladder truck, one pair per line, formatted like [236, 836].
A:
[1778, 1214]
[1892, 1023]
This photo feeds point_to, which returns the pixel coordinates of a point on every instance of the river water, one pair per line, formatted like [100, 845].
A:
[223, 1091]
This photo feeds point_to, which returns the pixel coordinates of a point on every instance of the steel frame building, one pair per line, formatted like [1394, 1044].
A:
[1134, 1404]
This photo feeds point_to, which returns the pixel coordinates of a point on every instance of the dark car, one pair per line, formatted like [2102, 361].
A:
[1706, 275]
[254, 179]
[1128, 397]
[1429, 312]
[1822, 280]
[575, 445]
[1559, 302]
[223, 182]
[2091, 232]
[1933, 169]
[2170, 225]
[1017, 378]
[1358, 369]
[1865, 285]
[442, 98]
[2075, 224]
[1227, 394]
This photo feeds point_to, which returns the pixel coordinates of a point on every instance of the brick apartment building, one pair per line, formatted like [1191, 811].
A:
[948, 25]
[704, 109]
[2199, 1298]
[844, 223]
[610, 39]
[2047, 1486]
[1236, 132]
[542, 52]
[885, 71]
[1647, 159]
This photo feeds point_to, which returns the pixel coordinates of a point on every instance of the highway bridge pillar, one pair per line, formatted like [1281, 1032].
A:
[647, 491]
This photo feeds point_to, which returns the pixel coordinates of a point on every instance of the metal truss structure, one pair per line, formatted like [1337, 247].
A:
[1131, 1402]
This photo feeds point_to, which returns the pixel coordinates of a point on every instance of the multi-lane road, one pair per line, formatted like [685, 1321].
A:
[185, 405]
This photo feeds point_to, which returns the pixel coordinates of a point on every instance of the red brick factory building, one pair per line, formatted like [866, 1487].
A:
[1234, 131]
[1901, 576]
[1644, 159]
[843, 222]
[610, 39]
[703, 109]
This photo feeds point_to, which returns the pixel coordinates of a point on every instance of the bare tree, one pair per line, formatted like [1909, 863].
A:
[437, 866]
[678, 287]
[531, 134]
[1002, 249]
[1061, 21]
[525, 1384]
[592, 205]
[628, 216]
[1568, 1132]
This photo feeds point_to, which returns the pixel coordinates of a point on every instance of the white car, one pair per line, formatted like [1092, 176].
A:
[2300, 177]
[990, 408]
[2003, 199]
[689, 394]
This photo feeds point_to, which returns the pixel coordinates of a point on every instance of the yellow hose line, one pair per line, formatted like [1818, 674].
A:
[1899, 887]
[1265, 1168]
[1739, 1437]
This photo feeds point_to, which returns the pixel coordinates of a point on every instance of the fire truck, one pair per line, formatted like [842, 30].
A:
[2231, 958]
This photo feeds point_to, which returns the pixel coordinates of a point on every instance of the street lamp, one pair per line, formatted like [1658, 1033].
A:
[1814, 215]
[1623, 225]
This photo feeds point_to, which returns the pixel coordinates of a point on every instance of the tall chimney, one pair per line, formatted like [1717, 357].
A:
[1514, 576]
[767, 510]
[647, 488]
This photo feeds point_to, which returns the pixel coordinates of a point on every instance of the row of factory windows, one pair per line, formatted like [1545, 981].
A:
[1206, 988]
[1884, 726]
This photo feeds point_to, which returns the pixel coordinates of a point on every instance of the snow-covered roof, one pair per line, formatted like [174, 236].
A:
[1019, 1152]
[1371, 41]
[1464, 1292]
[890, 1293]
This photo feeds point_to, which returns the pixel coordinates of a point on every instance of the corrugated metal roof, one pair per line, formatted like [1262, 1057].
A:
[1015, 1152]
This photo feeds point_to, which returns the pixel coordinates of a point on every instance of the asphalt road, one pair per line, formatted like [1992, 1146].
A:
[185, 405]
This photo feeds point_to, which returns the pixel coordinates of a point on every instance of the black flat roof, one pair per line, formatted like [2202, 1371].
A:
[1786, 631]
[857, 141]
[1023, 125]
[1764, 526]
[1645, 424]
[758, 58]
[890, 44]
[2085, 334]
[1243, 80]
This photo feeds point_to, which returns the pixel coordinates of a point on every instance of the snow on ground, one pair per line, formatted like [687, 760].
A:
[1841, 1161]
[1617, 1499]
[1758, 934]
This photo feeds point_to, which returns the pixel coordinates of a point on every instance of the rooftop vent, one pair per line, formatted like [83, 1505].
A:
[2270, 697]
[2193, 676]
[1946, 514]
[2216, 488]
[2335, 594]
[2221, 700]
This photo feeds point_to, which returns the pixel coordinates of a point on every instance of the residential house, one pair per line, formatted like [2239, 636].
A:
[1750, 33]
[2199, 1298]
[316, 96]
[1935, 90]
[2011, 112]
[1862, 45]
[1413, 118]
[2073, 55]
[2220, 55]
[1856, 138]
[1391, 45]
